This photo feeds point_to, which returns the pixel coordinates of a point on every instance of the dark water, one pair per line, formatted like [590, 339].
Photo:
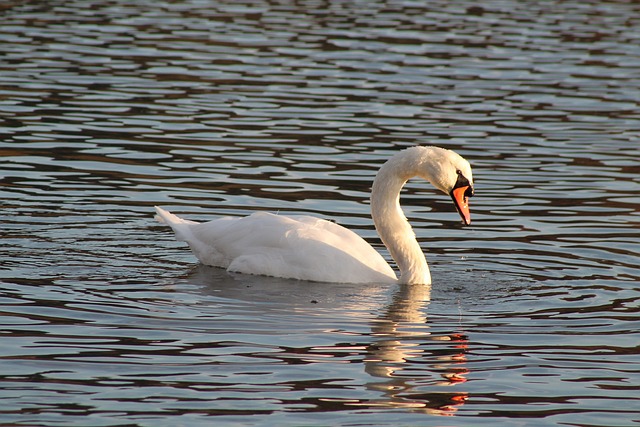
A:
[213, 108]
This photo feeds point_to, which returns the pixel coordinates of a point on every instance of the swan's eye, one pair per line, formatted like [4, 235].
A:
[459, 172]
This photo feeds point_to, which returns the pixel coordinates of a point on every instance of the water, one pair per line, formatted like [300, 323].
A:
[215, 108]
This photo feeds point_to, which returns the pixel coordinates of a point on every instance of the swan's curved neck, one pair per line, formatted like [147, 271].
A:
[392, 226]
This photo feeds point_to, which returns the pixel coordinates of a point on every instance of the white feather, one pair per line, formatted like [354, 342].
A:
[308, 248]
[296, 247]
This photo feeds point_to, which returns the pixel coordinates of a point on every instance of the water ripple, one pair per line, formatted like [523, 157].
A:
[223, 108]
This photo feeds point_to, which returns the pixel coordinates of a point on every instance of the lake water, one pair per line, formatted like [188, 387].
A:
[213, 108]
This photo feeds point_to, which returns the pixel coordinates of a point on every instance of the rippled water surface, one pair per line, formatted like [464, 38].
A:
[212, 108]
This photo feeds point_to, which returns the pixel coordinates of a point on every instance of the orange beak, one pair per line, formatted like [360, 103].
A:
[460, 196]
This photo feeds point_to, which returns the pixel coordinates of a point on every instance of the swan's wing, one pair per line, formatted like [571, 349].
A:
[326, 251]
[339, 237]
[300, 247]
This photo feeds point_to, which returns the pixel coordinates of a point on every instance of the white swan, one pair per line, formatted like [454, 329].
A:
[308, 248]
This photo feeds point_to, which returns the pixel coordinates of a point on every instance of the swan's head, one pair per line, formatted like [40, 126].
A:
[451, 173]
[445, 169]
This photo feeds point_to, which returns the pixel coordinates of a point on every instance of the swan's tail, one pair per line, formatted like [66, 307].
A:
[181, 227]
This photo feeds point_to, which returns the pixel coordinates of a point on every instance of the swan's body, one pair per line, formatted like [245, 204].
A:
[308, 248]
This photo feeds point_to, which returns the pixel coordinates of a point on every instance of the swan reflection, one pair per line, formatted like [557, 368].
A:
[408, 361]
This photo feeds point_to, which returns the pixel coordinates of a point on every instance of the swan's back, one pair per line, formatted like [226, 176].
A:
[296, 247]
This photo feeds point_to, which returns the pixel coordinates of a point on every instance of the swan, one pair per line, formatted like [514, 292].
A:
[309, 248]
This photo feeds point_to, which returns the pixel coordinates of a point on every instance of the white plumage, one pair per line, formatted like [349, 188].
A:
[309, 248]
[295, 247]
